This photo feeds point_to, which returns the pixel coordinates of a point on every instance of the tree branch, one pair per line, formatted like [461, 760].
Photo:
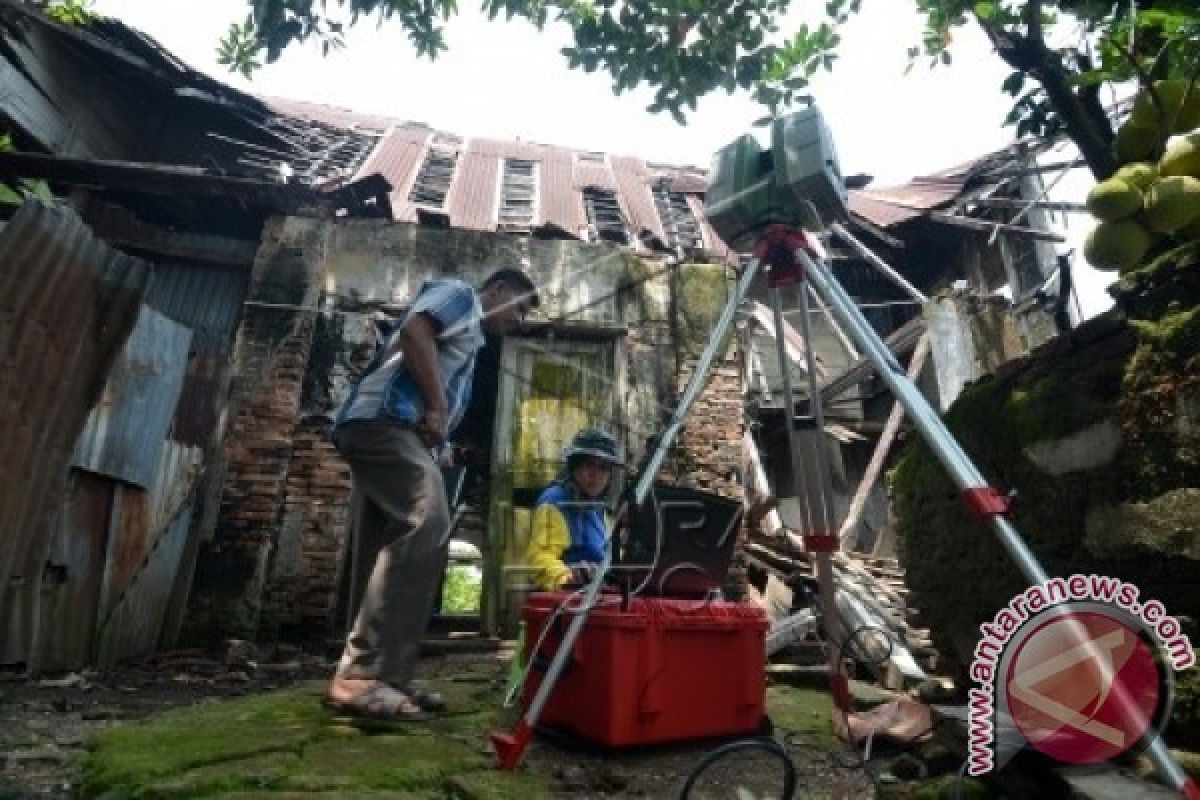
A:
[1033, 19]
[1086, 123]
[1145, 79]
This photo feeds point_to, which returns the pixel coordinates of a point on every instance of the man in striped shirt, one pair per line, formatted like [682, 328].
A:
[410, 399]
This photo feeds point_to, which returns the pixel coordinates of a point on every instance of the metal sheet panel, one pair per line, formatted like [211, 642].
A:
[199, 407]
[179, 472]
[67, 304]
[529, 151]
[125, 431]
[133, 625]
[891, 205]
[71, 595]
[589, 173]
[207, 300]
[561, 202]
[397, 158]
[473, 195]
[634, 191]
[148, 535]
[328, 115]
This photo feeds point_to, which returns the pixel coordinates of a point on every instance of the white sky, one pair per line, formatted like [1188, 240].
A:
[507, 80]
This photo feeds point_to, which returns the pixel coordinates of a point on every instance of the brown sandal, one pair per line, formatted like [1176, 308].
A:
[380, 703]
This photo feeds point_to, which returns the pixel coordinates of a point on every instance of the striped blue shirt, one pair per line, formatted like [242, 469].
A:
[388, 389]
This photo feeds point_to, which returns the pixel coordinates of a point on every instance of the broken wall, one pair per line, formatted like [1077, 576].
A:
[274, 560]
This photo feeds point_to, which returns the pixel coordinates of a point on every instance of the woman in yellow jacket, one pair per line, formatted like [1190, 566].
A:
[569, 525]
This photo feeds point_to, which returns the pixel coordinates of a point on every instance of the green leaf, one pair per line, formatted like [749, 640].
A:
[8, 197]
[1014, 83]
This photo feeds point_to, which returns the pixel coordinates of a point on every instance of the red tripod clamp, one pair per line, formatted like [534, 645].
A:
[985, 502]
[777, 249]
[822, 543]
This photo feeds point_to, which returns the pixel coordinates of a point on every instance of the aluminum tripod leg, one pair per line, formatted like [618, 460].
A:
[979, 496]
[510, 748]
[816, 503]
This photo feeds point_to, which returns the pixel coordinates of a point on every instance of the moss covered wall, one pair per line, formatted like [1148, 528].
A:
[1097, 433]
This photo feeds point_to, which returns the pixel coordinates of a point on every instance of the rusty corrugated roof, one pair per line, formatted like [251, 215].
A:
[474, 196]
[633, 187]
[396, 158]
[328, 115]
[892, 205]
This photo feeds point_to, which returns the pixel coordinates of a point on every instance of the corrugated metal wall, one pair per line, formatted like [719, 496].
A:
[117, 523]
[125, 431]
[67, 303]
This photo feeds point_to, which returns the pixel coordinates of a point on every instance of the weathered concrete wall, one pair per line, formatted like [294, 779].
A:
[970, 336]
[273, 565]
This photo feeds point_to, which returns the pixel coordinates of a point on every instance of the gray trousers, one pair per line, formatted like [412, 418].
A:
[398, 548]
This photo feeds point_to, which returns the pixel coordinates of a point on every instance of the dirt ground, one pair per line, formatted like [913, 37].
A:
[45, 726]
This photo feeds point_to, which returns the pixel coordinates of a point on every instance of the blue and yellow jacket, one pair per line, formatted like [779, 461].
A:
[566, 531]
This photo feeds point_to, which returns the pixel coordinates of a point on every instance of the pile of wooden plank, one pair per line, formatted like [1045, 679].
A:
[871, 600]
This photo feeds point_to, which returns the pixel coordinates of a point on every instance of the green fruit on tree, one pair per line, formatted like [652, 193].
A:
[1172, 203]
[1172, 93]
[1116, 245]
[1182, 156]
[1113, 199]
[1136, 142]
[1140, 174]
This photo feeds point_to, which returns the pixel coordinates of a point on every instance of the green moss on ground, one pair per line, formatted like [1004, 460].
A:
[283, 743]
[803, 712]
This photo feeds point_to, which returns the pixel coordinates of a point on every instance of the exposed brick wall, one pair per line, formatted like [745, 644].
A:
[306, 565]
[271, 355]
[709, 454]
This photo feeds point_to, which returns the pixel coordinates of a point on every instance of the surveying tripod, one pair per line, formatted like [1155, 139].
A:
[793, 258]
[776, 252]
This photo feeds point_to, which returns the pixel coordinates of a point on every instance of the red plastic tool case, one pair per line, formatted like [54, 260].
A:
[666, 670]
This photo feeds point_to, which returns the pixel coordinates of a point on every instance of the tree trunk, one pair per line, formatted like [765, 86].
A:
[1083, 117]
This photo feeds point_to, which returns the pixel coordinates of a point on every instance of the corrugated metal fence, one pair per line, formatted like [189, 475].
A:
[67, 304]
[105, 423]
